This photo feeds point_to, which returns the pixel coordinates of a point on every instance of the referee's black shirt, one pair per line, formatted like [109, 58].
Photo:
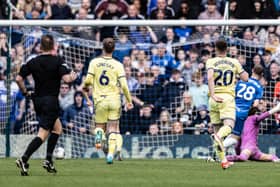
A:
[47, 71]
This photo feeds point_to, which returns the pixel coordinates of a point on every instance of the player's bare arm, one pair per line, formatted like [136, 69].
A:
[129, 104]
[85, 88]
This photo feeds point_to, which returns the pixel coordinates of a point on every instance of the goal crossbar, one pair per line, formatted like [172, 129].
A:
[245, 22]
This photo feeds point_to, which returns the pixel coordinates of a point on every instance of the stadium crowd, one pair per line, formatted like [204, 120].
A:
[167, 80]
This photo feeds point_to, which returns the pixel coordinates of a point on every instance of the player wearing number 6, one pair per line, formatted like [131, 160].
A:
[221, 74]
[247, 95]
[107, 78]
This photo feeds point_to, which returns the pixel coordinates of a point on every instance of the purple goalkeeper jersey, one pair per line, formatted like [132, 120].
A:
[249, 137]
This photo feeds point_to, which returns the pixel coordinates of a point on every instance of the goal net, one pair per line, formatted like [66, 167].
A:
[164, 66]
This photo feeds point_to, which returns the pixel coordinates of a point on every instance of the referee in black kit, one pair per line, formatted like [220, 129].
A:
[47, 71]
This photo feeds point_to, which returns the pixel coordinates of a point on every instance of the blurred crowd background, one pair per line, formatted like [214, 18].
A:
[164, 66]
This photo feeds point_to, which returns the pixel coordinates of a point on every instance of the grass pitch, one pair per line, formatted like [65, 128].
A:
[134, 173]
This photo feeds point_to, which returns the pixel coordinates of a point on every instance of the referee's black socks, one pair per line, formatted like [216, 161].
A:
[51, 145]
[32, 147]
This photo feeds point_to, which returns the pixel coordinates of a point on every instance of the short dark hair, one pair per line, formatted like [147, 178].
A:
[175, 71]
[253, 111]
[47, 42]
[211, 2]
[108, 45]
[258, 69]
[221, 45]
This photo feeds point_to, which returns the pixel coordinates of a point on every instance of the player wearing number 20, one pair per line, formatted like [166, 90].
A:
[247, 95]
[107, 78]
[221, 74]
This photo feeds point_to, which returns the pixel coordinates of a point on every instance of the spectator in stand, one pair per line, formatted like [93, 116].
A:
[17, 104]
[169, 39]
[245, 64]
[202, 120]
[233, 9]
[248, 34]
[123, 46]
[244, 9]
[272, 41]
[257, 60]
[268, 125]
[34, 14]
[258, 10]
[77, 117]
[180, 58]
[146, 118]
[162, 6]
[199, 90]
[151, 5]
[42, 8]
[20, 14]
[88, 7]
[141, 6]
[184, 10]
[78, 68]
[186, 111]
[160, 30]
[233, 51]
[204, 56]
[266, 64]
[127, 61]
[172, 91]
[147, 93]
[111, 12]
[183, 33]
[86, 32]
[273, 79]
[25, 5]
[65, 97]
[264, 9]
[3, 12]
[164, 122]
[177, 128]
[3, 44]
[159, 78]
[61, 10]
[141, 62]
[164, 60]
[18, 59]
[219, 4]
[190, 66]
[103, 6]
[132, 83]
[143, 37]
[211, 12]
[153, 130]
[132, 14]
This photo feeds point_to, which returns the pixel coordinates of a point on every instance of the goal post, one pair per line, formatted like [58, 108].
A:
[139, 57]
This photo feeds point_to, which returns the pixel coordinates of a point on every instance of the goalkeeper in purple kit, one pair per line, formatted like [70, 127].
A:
[249, 138]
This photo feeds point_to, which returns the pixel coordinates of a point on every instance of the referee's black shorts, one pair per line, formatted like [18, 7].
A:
[47, 110]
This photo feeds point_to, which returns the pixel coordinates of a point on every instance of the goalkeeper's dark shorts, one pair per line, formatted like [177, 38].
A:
[47, 110]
